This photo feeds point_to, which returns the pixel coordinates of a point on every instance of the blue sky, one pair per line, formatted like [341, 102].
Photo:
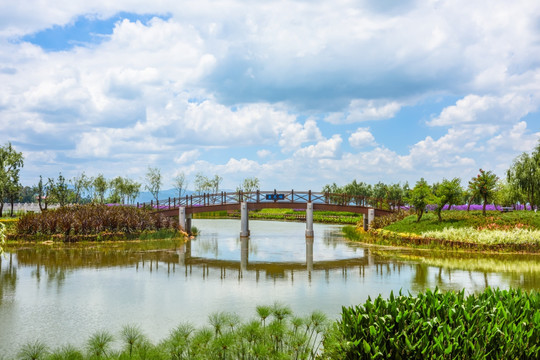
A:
[298, 94]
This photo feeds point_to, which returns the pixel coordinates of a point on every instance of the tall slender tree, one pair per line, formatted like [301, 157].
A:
[154, 182]
[11, 162]
[180, 184]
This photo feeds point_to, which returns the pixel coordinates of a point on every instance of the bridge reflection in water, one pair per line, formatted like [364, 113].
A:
[269, 269]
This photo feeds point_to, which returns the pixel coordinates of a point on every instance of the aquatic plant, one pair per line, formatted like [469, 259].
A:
[495, 324]
[35, 350]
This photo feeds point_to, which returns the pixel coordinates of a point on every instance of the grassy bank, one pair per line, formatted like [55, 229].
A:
[517, 231]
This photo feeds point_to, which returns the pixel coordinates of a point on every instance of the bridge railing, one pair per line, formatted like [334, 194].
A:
[258, 196]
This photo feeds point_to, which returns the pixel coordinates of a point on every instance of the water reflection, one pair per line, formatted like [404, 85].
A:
[203, 257]
[8, 278]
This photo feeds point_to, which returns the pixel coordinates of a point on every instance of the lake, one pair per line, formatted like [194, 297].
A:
[62, 296]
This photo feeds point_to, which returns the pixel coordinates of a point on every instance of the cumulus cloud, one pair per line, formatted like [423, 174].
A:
[365, 110]
[187, 157]
[362, 138]
[518, 138]
[328, 148]
[486, 109]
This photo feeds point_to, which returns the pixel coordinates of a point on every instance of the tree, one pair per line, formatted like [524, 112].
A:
[28, 194]
[449, 192]
[59, 190]
[43, 191]
[249, 185]
[180, 184]
[201, 183]
[116, 195]
[359, 191]
[132, 190]
[11, 163]
[81, 184]
[485, 186]
[508, 194]
[524, 174]
[419, 197]
[153, 182]
[100, 188]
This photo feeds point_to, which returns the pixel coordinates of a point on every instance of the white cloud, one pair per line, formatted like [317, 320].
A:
[486, 109]
[263, 153]
[328, 148]
[517, 138]
[365, 110]
[362, 138]
[295, 134]
[187, 157]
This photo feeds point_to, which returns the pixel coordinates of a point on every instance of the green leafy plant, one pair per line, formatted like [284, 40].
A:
[495, 324]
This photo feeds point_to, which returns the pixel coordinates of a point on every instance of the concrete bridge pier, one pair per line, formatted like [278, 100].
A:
[184, 219]
[309, 220]
[244, 220]
[369, 218]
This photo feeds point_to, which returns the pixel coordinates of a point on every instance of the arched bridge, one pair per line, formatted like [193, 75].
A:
[256, 200]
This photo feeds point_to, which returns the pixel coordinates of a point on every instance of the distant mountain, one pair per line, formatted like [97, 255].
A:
[146, 196]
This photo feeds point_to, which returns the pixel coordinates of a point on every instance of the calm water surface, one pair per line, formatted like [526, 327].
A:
[63, 296]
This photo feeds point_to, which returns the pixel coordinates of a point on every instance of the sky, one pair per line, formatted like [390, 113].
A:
[296, 93]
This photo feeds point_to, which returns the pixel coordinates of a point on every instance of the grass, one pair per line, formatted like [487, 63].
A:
[517, 231]
[462, 219]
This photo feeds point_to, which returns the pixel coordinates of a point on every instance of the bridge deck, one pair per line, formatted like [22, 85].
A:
[270, 199]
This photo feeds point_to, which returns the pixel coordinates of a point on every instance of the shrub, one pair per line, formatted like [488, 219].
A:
[77, 222]
[495, 324]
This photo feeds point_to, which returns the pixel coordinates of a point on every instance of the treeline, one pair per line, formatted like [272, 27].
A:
[520, 189]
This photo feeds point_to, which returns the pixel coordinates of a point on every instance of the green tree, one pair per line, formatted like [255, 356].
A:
[180, 184]
[202, 183]
[43, 191]
[420, 196]
[334, 193]
[11, 163]
[131, 190]
[60, 190]
[100, 185]
[485, 186]
[249, 185]
[524, 174]
[81, 184]
[153, 182]
[359, 191]
[448, 192]
[508, 194]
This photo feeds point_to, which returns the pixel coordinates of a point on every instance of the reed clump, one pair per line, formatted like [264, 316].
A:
[92, 222]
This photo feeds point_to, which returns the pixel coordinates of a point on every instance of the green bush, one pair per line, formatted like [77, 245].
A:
[495, 324]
